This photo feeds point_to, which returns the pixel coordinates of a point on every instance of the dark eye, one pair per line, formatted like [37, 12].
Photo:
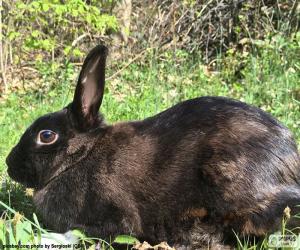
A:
[46, 137]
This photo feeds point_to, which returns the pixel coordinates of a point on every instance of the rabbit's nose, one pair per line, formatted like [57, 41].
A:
[10, 162]
[9, 159]
[15, 157]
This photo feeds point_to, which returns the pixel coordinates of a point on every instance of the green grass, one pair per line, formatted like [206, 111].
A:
[15, 229]
[268, 78]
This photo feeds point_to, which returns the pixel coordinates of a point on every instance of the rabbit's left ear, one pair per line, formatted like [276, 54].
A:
[90, 89]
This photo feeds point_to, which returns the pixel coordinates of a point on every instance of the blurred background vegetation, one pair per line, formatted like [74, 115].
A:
[161, 52]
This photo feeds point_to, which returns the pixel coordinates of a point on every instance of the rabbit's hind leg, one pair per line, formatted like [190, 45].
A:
[203, 236]
[285, 203]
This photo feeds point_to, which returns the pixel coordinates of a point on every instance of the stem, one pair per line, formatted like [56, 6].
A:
[2, 67]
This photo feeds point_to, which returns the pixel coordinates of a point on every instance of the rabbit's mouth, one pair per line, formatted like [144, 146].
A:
[19, 171]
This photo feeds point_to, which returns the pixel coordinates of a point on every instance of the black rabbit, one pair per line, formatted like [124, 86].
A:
[191, 175]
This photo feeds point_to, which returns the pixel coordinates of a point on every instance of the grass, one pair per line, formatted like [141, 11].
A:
[17, 230]
[268, 78]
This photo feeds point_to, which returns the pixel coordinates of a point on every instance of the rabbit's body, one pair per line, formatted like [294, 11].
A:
[154, 176]
[189, 175]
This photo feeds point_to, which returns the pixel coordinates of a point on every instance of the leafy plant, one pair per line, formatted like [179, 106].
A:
[43, 31]
[53, 26]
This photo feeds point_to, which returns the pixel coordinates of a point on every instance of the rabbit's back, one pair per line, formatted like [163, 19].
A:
[214, 159]
[221, 130]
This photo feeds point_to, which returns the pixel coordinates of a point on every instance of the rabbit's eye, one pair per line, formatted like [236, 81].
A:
[46, 137]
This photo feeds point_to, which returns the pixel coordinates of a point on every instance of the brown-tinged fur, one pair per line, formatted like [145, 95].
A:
[194, 213]
[190, 175]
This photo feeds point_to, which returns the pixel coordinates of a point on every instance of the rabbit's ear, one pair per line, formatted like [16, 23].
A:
[90, 89]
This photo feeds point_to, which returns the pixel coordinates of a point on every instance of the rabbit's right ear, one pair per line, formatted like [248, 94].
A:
[90, 89]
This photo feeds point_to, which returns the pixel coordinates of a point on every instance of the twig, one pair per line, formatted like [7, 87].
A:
[29, 68]
[1, 51]
[291, 15]
[78, 39]
[128, 64]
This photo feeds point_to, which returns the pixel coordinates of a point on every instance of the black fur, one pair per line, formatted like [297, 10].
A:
[190, 175]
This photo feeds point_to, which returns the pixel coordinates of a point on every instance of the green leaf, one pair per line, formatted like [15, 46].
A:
[59, 10]
[88, 18]
[78, 234]
[125, 239]
[13, 34]
[2, 232]
[21, 6]
[45, 6]
[23, 232]
[67, 50]
[11, 236]
[35, 33]
[35, 5]
[39, 237]
[74, 13]
[77, 52]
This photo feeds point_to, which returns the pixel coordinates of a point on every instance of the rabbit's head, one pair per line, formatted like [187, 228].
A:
[56, 141]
